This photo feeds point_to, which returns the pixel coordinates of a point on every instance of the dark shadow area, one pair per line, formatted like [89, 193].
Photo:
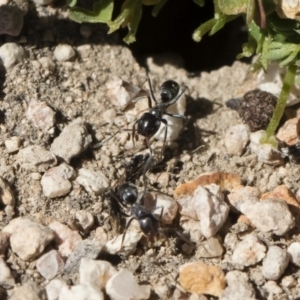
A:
[170, 32]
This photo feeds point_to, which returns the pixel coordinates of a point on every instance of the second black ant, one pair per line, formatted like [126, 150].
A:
[149, 123]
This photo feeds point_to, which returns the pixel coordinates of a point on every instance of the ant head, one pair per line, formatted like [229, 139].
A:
[169, 90]
[128, 193]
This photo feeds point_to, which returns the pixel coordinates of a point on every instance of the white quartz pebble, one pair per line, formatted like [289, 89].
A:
[53, 288]
[50, 264]
[236, 139]
[28, 238]
[265, 153]
[13, 144]
[270, 215]
[6, 279]
[66, 239]
[41, 115]
[95, 272]
[55, 182]
[207, 205]
[36, 158]
[11, 54]
[85, 220]
[92, 181]
[64, 52]
[115, 245]
[249, 251]
[275, 263]
[238, 287]
[122, 286]
[294, 252]
[73, 140]
[80, 292]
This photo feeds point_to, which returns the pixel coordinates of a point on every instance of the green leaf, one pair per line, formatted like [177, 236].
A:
[122, 18]
[233, 7]
[201, 3]
[71, 3]
[102, 12]
[220, 23]
[158, 7]
[133, 23]
[203, 29]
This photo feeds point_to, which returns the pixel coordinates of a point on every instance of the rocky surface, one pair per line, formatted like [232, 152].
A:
[228, 207]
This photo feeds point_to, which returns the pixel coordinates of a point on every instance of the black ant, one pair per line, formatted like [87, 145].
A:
[149, 123]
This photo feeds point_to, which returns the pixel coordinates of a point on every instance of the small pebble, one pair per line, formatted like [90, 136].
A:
[231, 240]
[164, 207]
[11, 54]
[109, 116]
[50, 264]
[271, 215]
[36, 158]
[207, 205]
[243, 196]
[275, 263]
[80, 292]
[121, 92]
[272, 288]
[49, 65]
[92, 181]
[212, 247]
[95, 272]
[129, 244]
[28, 239]
[123, 286]
[197, 277]
[86, 248]
[64, 52]
[192, 228]
[288, 281]
[227, 181]
[11, 18]
[265, 152]
[289, 132]
[236, 139]
[55, 182]
[66, 239]
[41, 115]
[294, 252]
[6, 279]
[53, 288]
[249, 251]
[73, 140]
[6, 194]
[13, 144]
[29, 291]
[85, 220]
[238, 287]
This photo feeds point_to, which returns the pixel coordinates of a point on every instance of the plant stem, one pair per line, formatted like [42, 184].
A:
[280, 106]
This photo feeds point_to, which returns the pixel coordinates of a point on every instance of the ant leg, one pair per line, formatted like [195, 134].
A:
[152, 97]
[125, 230]
[149, 146]
[176, 98]
[165, 137]
[133, 132]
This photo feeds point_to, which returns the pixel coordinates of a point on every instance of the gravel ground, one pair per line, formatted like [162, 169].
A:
[57, 103]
